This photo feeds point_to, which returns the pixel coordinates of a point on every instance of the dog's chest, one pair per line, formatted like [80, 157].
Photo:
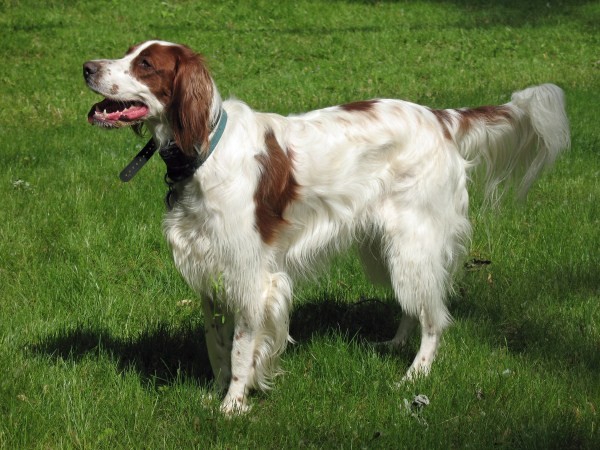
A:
[210, 234]
[192, 248]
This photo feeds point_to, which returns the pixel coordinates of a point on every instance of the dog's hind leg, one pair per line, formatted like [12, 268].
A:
[370, 251]
[431, 334]
[405, 329]
[420, 279]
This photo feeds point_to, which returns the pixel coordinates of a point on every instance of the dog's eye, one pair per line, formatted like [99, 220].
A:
[145, 64]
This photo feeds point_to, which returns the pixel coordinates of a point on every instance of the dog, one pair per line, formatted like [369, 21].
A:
[257, 200]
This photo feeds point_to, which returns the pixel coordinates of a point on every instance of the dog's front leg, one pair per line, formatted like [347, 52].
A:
[242, 368]
[218, 325]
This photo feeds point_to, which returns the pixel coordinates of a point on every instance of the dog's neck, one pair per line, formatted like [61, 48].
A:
[181, 166]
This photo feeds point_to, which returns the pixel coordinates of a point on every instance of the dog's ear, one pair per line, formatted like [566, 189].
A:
[189, 109]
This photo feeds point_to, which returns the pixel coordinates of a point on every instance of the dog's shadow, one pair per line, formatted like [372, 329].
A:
[369, 320]
[160, 354]
[164, 354]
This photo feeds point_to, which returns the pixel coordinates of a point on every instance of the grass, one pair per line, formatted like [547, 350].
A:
[98, 348]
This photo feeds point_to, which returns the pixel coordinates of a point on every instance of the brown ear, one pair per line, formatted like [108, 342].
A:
[189, 110]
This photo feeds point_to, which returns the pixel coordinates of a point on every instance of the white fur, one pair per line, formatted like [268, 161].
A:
[389, 179]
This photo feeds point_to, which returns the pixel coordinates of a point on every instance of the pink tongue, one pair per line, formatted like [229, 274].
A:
[131, 113]
[135, 112]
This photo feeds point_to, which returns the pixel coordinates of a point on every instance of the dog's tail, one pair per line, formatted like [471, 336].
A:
[513, 142]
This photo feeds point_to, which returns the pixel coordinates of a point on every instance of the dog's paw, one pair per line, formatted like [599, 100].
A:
[235, 406]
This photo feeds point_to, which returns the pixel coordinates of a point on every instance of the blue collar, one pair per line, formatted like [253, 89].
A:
[219, 129]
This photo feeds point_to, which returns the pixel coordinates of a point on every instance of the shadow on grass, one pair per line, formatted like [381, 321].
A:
[164, 354]
[366, 320]
[554, 338]
[514, 13]
[476, 14]
[160, 355]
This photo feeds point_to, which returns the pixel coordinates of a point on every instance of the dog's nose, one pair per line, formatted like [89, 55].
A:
[90, 68]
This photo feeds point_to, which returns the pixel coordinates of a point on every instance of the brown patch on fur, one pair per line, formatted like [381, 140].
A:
[277, 188]
[178, 77]
[361, 106]
[235, 378]
[445, 120]
[114, 89]
[487, 114]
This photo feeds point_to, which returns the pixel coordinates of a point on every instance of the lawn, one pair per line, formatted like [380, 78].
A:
[101, 341]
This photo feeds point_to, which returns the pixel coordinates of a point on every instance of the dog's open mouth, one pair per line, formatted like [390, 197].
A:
[115, 114]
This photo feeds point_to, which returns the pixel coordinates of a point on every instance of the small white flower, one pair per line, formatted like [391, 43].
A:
[21, 185]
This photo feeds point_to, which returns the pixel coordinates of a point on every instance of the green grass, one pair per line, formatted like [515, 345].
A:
[98, 351]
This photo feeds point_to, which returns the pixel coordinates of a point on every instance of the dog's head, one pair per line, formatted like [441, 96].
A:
[155, 83]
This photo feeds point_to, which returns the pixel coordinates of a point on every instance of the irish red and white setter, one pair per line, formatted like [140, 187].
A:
[257, 199]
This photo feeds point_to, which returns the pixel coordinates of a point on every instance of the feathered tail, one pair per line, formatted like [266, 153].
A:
[514, 142]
